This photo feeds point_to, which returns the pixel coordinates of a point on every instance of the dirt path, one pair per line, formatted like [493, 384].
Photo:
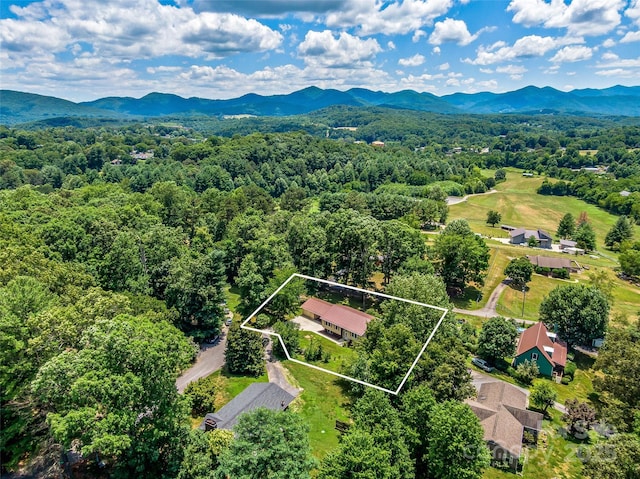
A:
[454, 200]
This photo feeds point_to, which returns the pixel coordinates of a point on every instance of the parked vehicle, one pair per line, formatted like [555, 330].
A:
[482, 364]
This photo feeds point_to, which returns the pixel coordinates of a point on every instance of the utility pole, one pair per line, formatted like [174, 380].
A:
[524, 295]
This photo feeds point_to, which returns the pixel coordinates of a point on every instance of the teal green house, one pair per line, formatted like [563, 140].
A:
[538, 345]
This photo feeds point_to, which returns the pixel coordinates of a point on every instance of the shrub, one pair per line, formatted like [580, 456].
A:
[560, 273]
[565, 380]
[202, 394]
[527, 371]
[511, 372]
[570, 369]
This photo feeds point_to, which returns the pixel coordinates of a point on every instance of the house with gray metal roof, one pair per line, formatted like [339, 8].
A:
[256, 395]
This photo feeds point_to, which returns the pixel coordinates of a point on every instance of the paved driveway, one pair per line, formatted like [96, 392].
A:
[307, 324]
[210, 359]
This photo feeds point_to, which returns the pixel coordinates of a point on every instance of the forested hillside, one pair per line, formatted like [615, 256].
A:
[117, 244]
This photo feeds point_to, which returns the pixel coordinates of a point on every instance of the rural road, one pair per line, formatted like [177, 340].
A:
[210, 359]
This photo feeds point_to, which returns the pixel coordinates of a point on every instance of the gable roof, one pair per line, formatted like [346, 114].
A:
[340, 315]
[550, 262]
[538, 336]
[569, 243]
[254, 396]
[501, 409]
[537, 234]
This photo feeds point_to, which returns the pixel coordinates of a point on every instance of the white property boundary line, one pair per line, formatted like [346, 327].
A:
[294, 275]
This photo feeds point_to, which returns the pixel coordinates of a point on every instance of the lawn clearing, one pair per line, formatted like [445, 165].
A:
[519, 204]
[323, 400]
[339, 356]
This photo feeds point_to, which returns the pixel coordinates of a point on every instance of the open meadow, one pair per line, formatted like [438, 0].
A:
[516, 199]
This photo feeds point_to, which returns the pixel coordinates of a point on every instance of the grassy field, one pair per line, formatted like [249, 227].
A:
[519, 204]
[323, 401]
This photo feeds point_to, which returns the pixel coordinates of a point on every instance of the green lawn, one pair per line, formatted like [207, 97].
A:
[519, 204]
[323, 401]
[230, 385]
[582, 385]
[340, 356]
[511, 300]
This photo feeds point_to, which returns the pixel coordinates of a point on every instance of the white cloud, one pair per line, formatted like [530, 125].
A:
[525, 47]
[371, 17]
[512, 69]
[417, 35]
[444, 66]
[131, 30]
[608, 43]
[436, 50]
[620, 62]
[451, 30]
[346, 51]
[580, 17]
[391, 45]
[488, 84]
[413, 61]
[633, 12]
[572, 54]
[631, 37]
[618, 72]
[487, 71]
[609, 56]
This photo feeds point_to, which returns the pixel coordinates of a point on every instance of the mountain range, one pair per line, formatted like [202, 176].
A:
[19, 107]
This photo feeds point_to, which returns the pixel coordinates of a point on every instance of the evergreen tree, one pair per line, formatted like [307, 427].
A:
[567, 226]
[620, 232]
[585, 237]
[244, 353]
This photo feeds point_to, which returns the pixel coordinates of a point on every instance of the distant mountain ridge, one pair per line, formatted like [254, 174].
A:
[18, 107]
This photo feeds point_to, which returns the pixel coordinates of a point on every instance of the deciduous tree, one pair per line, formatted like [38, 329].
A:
[460, 256]
[493, 218]
[268, 444]
[456, 445]
[497, 338]
[578, 312]
[519, 270]
[542, 394]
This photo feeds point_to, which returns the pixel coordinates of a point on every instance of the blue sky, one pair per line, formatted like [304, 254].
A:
[87, 49]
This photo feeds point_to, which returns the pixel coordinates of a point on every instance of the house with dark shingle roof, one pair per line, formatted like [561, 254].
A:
[344, 321]
[552, 262]
[502, 411]
[538, 344]
[256, 395]
[522, 235]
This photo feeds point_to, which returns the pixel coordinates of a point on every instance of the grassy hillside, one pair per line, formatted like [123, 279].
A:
[519, 204]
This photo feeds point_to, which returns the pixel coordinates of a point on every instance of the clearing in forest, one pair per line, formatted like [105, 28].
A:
[336, 325]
